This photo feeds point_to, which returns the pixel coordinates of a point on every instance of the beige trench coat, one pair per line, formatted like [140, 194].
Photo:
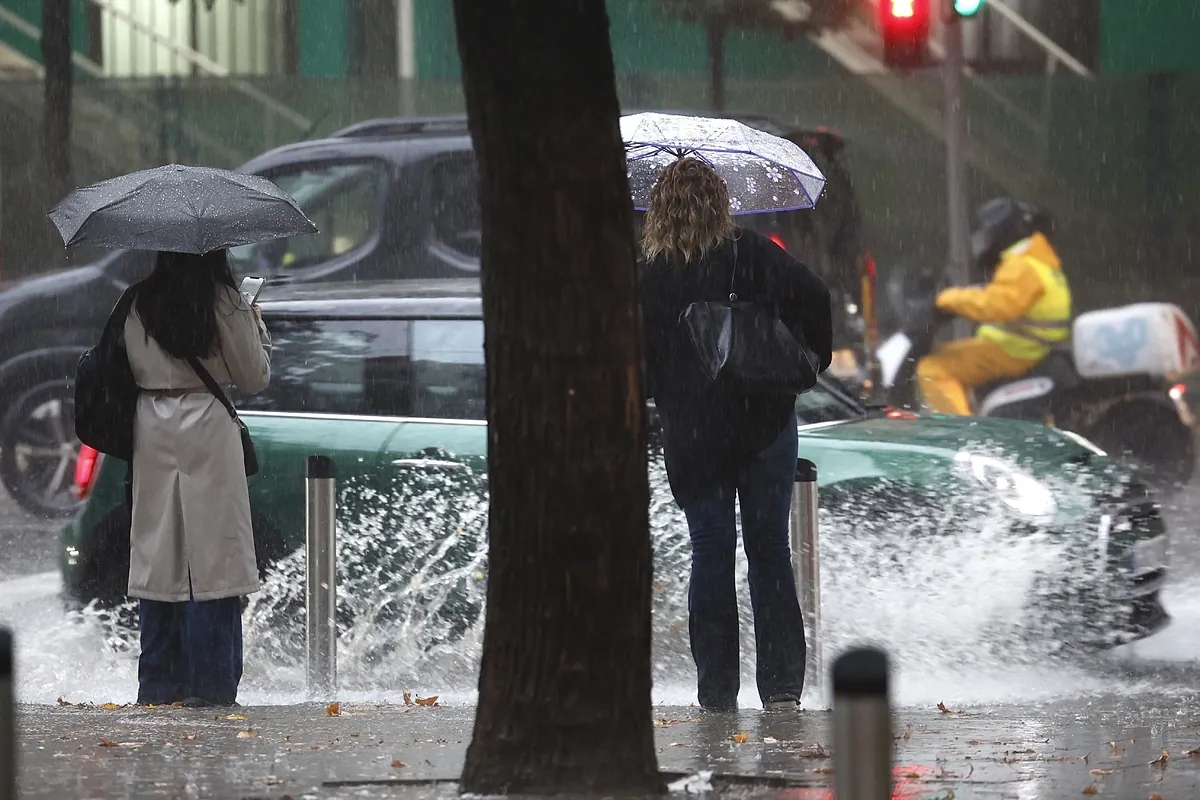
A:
[191, 535]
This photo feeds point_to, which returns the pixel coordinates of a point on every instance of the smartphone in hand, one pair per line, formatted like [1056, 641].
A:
[250, 288]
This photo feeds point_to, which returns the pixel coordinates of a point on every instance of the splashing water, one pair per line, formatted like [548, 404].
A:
[411, 595]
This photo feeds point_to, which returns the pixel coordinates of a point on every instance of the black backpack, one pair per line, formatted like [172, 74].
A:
[105, 390]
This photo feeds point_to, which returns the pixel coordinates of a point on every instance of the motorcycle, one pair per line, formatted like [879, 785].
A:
[1116, 381]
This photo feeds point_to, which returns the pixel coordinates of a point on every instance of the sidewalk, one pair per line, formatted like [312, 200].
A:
[371, 750]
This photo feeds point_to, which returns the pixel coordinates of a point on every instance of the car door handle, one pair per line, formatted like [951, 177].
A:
[432, 463]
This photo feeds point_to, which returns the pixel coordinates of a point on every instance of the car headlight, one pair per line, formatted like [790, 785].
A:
[1016, 488]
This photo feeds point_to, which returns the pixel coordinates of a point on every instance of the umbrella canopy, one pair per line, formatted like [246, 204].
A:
[763, 172]
[179, 209]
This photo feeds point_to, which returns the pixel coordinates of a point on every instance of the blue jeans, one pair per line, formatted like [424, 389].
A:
[764, 489]
[190, 649]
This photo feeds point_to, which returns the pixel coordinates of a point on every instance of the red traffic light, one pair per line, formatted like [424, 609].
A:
[904, 28]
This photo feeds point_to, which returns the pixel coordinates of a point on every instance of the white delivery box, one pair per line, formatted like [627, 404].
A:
[1143, 338]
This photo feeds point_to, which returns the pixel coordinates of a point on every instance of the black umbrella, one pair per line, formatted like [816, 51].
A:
[179, 209]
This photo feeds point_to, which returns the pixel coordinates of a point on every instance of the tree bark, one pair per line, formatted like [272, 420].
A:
[564, 686]
[56, 108]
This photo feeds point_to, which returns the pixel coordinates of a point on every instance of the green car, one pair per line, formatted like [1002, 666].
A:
[388, 380]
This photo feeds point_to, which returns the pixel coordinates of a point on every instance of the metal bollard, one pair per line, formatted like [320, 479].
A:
[8, 719]
[862, 726]
[321, 596]
[806, 562]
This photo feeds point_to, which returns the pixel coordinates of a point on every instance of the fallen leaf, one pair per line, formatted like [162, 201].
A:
[246, 734]
[913, 776]
[107, 742]
[63, 702]
[110, 706]
[1090, 790]
[770, 740]
[408, 698]
[189, 736]
[1163, 759]
[333, 709]
[1195, 751]
[1155, 797]
[819, 752]
[235, 716]
[398, 763]
[907, 733]
[823, 770]
[1103, 772]
[741, 738]
[427, 701]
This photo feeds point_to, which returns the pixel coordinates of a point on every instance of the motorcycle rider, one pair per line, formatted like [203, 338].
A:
[1024, 309]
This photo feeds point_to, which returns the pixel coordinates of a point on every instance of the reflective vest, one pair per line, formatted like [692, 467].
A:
[1047, 323]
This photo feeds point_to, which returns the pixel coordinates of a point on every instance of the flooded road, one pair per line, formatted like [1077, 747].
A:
[1017, 726]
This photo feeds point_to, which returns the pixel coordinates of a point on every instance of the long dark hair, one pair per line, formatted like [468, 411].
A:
[178, 302]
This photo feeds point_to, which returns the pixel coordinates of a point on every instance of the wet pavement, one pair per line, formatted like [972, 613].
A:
[1119, 747]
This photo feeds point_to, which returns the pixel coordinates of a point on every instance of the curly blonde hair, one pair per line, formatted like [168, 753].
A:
[688, 213]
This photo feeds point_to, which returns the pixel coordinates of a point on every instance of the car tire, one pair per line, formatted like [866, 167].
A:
[38, 449]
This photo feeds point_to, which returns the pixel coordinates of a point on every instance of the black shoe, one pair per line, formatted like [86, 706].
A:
[720, 709]
[782, 703]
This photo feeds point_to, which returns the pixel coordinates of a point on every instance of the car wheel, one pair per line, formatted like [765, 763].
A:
[38, 450]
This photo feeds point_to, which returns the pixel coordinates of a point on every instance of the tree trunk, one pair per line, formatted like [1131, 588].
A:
[716, 25]
[56, 109]
[564, 686]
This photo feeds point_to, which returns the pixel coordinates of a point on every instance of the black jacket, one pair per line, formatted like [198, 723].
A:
[710, 432]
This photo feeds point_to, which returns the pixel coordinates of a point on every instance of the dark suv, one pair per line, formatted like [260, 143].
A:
[392, 198]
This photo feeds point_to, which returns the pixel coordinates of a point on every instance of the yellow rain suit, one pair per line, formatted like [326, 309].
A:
[1024, 310]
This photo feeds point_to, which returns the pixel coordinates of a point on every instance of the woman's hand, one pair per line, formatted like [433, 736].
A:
[257, 309]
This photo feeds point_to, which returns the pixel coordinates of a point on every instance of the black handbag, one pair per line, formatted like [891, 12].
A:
[249, 454]
[106, 392]
[745, 345]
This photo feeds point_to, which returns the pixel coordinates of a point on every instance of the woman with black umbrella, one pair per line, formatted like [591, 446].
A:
[192, 548]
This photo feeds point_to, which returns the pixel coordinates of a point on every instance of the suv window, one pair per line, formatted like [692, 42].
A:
[457, 233]
[448, 375]
[342, 199]
[337, 367]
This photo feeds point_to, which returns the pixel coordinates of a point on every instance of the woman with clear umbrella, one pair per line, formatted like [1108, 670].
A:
[724, 446]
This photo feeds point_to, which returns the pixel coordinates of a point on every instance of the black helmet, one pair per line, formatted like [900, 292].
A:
[1002, 222]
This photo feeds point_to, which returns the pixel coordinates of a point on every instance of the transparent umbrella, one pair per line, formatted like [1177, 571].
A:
[763, 172]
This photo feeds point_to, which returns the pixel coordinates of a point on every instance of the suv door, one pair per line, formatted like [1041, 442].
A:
[438, 484]
[327, 376]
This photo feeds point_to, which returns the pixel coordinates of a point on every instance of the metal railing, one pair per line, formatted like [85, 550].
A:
[137, 102]
[320, 510]
[806, 563]
[206, 65]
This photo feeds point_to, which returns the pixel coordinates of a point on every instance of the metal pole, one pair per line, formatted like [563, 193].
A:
[958, 219]
[862, 726]
[321, 596]
[8, 719]
[806, 562]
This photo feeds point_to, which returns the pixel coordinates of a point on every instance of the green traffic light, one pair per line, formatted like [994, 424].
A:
[967, 8]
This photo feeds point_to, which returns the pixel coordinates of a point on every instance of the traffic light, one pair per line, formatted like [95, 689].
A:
[905, 28]
[968, 8]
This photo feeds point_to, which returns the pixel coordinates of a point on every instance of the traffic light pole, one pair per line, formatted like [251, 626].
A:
[958, 219]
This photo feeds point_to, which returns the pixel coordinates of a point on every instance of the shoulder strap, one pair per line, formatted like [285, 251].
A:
[207, 377]
[115, 327]
[733, 269]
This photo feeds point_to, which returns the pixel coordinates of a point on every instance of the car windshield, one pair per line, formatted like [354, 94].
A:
[828, 401]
